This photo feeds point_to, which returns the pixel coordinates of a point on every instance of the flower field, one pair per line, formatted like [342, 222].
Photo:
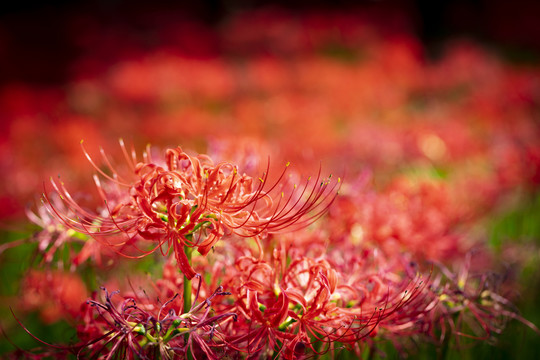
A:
[289, 186]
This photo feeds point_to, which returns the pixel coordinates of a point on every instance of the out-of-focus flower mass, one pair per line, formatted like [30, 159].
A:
[291, 185]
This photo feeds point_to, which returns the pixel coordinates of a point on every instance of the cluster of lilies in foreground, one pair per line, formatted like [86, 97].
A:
[255, 265]
[253, 250]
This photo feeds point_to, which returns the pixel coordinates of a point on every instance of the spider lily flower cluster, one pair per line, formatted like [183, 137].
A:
[272, 286]
[187, 201]
[137, 327]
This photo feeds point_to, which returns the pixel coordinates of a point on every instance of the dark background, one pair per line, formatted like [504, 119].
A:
[39, 42]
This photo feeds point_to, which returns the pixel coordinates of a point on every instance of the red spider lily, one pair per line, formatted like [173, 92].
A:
[405, 217]
[54, 236]
[400, 293]
[471, 305]
[189, 201]
[56, 294]
[138, 328]
[165, 332]
[298, 304]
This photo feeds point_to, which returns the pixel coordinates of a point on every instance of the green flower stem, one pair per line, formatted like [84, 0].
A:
[187, 282]
[187, 297]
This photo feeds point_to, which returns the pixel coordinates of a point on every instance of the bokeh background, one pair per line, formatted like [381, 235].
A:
[447, 91]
